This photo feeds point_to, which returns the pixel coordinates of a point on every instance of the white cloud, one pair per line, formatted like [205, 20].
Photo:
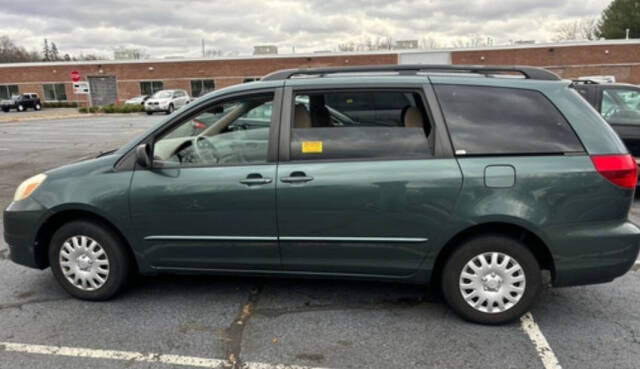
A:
[176, 28]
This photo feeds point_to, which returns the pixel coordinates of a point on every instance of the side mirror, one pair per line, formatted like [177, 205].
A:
[143, 158]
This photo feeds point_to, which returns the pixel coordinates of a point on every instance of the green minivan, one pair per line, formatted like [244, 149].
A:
[473, 179]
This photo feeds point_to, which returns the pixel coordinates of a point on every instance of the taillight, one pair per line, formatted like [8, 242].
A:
[618, 169]
[198, 124]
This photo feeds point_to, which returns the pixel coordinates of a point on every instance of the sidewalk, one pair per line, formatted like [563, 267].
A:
[48, 114]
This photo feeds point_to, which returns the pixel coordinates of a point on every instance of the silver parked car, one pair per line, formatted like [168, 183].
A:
[138, 100]
[166, 101]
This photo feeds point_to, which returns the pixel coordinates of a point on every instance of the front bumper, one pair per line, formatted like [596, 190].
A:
[22, 220]
[156, 107]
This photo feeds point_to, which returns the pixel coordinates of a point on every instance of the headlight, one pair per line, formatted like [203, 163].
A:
[28, 186]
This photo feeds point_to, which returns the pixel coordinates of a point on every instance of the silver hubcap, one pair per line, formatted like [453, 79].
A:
[84, 263]
[492, 282]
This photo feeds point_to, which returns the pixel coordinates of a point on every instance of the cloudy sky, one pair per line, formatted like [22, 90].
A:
[176, 28]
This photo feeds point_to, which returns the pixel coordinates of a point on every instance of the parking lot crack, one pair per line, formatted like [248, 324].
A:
[376, 305]
[235, 331]
[19, 305]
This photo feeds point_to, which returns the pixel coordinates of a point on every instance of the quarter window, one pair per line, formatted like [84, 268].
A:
[54, 92]
[233, 132]
[6, 91]
[200, 87]
[621, 106]
[496, 120]
[360, 125]
[150, 87]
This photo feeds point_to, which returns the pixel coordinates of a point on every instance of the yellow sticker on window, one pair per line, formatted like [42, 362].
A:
[311, 147]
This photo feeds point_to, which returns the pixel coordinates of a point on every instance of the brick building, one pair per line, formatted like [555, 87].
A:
[111, 80]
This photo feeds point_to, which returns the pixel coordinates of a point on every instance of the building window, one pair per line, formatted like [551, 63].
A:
[6, 91]
[200, 87]
[54, 92]
[250, 80]
[150, 87]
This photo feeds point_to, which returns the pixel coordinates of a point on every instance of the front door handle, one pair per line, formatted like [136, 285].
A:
[255, 179]
[297, 177]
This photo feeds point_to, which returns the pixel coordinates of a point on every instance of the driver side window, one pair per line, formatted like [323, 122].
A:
[621, 106]
[230, 133]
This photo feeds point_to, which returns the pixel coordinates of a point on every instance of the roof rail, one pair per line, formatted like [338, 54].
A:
[412, 69]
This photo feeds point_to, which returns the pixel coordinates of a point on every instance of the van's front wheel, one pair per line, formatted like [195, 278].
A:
[491, 279]
[88, 260]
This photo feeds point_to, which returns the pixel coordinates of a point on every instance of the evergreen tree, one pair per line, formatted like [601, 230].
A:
[619, 16]
[54, 52]
[46, 52]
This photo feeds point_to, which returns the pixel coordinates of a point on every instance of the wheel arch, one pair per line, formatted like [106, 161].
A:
[530, 239]
[55, 221]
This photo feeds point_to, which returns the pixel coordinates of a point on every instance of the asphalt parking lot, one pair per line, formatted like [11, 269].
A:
[181, 321]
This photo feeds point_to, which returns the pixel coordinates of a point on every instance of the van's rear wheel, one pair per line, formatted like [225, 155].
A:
[88, 260]
[491, 279]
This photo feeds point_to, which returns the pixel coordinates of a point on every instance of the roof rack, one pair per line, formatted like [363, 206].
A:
[413, 69]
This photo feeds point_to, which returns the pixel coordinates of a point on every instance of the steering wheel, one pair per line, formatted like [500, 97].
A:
[197, 154]
[205, 151]
[611, 111]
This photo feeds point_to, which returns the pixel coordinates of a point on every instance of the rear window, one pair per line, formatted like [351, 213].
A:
[500, 121]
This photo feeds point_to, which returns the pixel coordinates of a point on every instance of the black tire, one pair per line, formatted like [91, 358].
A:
[149, 112]
[170, 109]
[120, 263]
[6, 110]
[37, 107]
[485, 244]
[20, 108]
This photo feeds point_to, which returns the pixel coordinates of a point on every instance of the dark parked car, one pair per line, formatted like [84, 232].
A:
[21, 102]
[451, 176]
[619, 104]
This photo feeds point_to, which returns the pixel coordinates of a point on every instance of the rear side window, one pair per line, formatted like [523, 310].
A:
[502, 121]
[360, 125]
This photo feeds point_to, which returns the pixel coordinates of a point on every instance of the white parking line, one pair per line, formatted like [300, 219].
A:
[549, 359]
[134, 356]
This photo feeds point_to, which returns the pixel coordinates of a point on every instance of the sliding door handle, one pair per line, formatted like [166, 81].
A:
[296, 177]
[255, 179]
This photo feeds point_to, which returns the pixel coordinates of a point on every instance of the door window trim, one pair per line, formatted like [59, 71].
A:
[438, 138]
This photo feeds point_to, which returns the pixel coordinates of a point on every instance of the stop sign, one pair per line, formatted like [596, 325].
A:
[75, 76]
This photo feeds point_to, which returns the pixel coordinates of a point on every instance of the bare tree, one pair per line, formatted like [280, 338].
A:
[579, 29]
[429, 42]
[367, 43]
[12, 53]
[128, 53]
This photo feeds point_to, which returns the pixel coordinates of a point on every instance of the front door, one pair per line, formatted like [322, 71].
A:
[209, 200]
[362, 192]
